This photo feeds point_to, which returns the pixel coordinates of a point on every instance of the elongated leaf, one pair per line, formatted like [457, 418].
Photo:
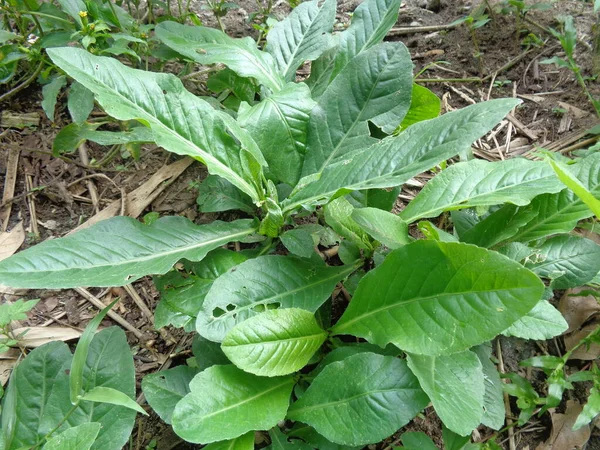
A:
[210, 46]
[277, 342]
[81, 437]
[182, 294]
[543, 322]
[116, 252]
[224, 403]
[112, 396]
[569, 261]
[559, 213]
[395, 160]
[424, 105]
[279, 125]
[371, 21]
[375, 86]
[493, 400]
[80, 103]
[301, 36]
[267, 282]
[181, 122]
[590, 410]
[455, 386]
[164, 389]
[338, 215]
[379, 392]
[244, 442]
[481, 183]
[587, 197]
[43, 368]
[387, 228]
[70, 137]
[439, 297]
[50, 94]
[81, 355]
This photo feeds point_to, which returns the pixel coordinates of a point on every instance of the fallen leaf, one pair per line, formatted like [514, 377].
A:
[11, 241]
[577, 309]
[37, 336]
[562, 436]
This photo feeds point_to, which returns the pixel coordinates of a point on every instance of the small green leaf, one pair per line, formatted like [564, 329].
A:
[433, 298]
[80, 103]
[387, 228]
[379, 392]
[224, 403]
[565, 175]
[424, 105]
[216, 194]
[417, 440]
[50, 94]
[101, 394]
[300, 241]
[70, 137]
[338, 215]
[208, 353]
[590, 410]
[165, 388]
[455, 385]
[81, 354]
[10, 311]
[81, 437]
[277, 342]
[543, 322]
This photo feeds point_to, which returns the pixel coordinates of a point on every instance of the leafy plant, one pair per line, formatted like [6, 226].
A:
[317, 167]
[8, 313]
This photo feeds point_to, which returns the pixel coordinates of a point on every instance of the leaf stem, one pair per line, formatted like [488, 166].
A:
[23, 85]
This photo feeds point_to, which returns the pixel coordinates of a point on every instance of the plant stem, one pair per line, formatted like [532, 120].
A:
[60, 424]
[23, 85]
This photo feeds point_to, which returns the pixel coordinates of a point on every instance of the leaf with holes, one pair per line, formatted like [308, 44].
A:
[266, 282]
[433, 298]
[277, 342]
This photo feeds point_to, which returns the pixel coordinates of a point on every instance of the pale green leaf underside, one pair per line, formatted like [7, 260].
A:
[276, 342]
[117, 251]
[433, 298]
[480, 183]
[376, 392]
[543, 322]
[396, 159]
[181, 122]
[210, 46]
[301, 36]
[224, 403]
[455, 386]
[494, 413]
[267, 282]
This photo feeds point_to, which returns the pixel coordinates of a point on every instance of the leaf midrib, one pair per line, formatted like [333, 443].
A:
[306, 337]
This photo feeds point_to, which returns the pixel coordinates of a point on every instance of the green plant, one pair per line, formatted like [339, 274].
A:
[567, 37]
[58, 400]
[316, 167]
[8, 313]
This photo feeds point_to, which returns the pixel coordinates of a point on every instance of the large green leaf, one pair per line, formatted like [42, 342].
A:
[301, 36]
[244, 442]
[482, 183]
[164, 389]
[181, 122]
[455, 385]
[569, 261]
[182, 293]
[267, 282]
[224, 403]
[44, 368]
[117, 251]
[396, 159]
[81, 437]
[543, 322]
[279, 125]
[375, 86]
[277, 342]
[559, 213]
[360, 400]
[433, 297]
[211, 46]
[371, 21]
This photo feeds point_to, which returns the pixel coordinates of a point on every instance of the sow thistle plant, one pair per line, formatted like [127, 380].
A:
[269, 353]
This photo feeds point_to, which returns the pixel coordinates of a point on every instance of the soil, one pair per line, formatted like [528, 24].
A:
[554, 109]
